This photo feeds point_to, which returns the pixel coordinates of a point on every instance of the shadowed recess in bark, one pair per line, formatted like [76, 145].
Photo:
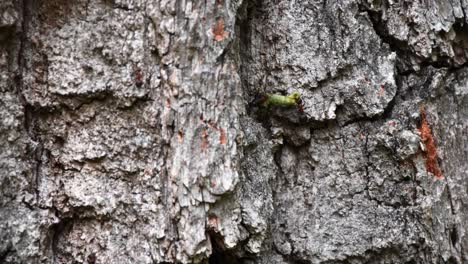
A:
[219, 254]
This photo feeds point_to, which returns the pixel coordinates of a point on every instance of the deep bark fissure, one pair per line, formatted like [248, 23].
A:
[31, 113]
[402, 48]
[220, 254]
[57, 232]
[4, 254]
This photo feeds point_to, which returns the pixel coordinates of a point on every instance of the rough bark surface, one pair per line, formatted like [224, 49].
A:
[128, 132]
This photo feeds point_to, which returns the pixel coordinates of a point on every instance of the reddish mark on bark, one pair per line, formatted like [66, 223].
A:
[204, 139]
[213, 183]
[382, 90]
[168, 102]
[138, 77]
[180, 136]
[219, 2]
[222, 136]
[362, 136]
[212, 124]
[300, 105]
[430, 154]
[148, 171]
[391, 123]
[218, 29]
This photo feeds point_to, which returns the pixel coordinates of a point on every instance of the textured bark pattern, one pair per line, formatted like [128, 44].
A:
[128, 134]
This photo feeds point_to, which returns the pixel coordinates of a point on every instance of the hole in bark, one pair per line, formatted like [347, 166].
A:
[460, 44]
[5, 33]
[5, 253]
[300, 261]
[220, 254]
[59, 141]
[54, 13]
[454, 236]
[91, 258]
[58, 232]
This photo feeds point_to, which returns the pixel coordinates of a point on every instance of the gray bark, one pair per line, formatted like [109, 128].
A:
[129, 135]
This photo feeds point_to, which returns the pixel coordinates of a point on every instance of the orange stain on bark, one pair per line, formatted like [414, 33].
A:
[204, 139]
[222, 133]
[218, 29]
[430, 154]
[222, 136]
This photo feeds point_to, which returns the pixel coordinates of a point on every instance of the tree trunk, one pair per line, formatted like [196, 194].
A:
[131, 131]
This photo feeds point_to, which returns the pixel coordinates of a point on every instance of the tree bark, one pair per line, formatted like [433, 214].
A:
[130, 131]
